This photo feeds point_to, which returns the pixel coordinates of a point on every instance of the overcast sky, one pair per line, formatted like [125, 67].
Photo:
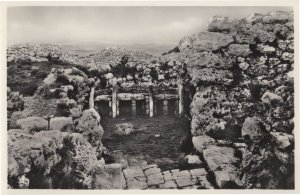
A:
[114, 24]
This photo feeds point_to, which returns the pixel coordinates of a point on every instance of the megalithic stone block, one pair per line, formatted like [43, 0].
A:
[165, 107]
[133, 107]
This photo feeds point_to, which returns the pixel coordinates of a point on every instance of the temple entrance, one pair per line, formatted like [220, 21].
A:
[103, 108]
[172, 105]
[125, 108]
[140, 107]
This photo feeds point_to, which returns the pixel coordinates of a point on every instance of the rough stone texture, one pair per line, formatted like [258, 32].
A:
[193, 159]
[124, 128]
[253, 128]
[33, 124]
[61, 123]
[15, 101]
[108, 177]
[221, 24]
[142, 177]
[80, 160]
[209, 76]
[155, 179]
[243, 74]
[30, 153]
[222, 161]
[89, 126]
[202, 142]
[282, 140]
[205, 41]
[241, 50]
[220, 158]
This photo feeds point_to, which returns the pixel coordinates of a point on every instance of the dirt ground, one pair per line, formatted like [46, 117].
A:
[161, 140]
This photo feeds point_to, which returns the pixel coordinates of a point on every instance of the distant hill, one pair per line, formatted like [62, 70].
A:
[91, 47]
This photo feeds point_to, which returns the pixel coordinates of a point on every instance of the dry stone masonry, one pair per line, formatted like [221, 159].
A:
[235, 81]
[243, 71]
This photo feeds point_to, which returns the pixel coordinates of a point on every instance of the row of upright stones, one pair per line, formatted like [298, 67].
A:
[243, 72]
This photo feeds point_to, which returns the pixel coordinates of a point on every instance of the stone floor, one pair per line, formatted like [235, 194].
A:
[151, 177]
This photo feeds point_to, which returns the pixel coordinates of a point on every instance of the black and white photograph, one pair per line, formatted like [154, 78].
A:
[150, 97]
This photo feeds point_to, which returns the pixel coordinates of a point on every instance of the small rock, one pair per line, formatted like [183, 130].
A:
[253, 128]
[202, 142]
[271, 98]
[193, 159]
[282, 140]
[124, 128]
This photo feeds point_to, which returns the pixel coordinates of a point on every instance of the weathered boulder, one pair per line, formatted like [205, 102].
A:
[207, 60]
[242, 50]
[213, 76]
[202, 142]
[63, 106]
[263, 168]
[253, 128]
[205, 41]
[14, 117]
[103, 67]
[61, 123]
[76, 112]
[221, 24]
[282, 140]
[265, 49]
[89, 126]
[185, 43]
[32, 124]
[271, 98]
[124, 128]
[78, 163]
[15, 101]
[193, 159]
[33, 154]
[222, 162]
[109, 176]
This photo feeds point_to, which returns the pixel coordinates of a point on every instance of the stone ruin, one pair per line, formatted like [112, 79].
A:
[237, 79]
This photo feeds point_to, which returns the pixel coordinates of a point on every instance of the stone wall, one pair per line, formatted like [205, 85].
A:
[243, 72]
[242, 111]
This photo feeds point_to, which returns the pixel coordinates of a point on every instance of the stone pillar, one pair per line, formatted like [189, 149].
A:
[118, 107]
[165, 107]
[110, 111]
[150, 102]
[91, 100]
[114, 99]
[180, 98]
[133, 107]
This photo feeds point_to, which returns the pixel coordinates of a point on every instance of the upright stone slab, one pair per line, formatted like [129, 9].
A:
[165, 107]
[133, 107]
[114, 99]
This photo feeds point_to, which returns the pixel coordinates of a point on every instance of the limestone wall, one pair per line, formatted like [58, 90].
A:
[243, 71]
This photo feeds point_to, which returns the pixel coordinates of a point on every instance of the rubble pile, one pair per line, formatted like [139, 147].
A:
[39, 53]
